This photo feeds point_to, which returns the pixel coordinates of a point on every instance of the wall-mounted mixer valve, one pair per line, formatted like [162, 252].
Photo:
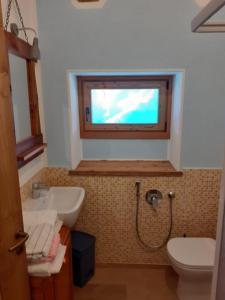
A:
[153, 197]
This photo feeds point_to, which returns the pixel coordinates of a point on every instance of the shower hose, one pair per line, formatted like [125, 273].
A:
[143, 243]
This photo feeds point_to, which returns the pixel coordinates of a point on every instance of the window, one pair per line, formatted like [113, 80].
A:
[125, 107]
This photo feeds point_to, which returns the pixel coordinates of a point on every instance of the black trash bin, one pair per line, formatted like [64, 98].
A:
[83, 257]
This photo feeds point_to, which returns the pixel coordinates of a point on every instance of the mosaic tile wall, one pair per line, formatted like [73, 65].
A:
[109, 211]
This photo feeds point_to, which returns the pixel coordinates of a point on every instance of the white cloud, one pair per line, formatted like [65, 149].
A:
[131, 103]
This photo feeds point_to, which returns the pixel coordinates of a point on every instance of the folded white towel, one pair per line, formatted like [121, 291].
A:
[49, 238]
[41, 227]
[46, 269]
[40, 239]
[57, 263]
[32, 218]
[34, 235]
[58, 226]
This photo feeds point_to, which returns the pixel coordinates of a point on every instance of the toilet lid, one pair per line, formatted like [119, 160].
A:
[192, 252]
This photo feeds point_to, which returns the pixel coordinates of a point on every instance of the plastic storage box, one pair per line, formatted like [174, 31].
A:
[83, 257]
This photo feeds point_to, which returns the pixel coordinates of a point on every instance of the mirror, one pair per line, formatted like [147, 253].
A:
[20, 97]
[21, 67]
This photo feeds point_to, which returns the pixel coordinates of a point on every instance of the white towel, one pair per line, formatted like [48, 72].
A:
[46, 269]
[32, 218]
[30, 243]
[40, 239]
[58, 226]
[57, 263]
[34, 235]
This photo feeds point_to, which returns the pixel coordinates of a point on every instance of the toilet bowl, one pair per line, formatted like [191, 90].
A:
[193, 260]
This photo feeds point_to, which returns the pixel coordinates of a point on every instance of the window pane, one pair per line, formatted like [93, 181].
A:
[125, 106]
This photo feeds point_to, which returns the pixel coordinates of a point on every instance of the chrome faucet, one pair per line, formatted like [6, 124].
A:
[37, 189]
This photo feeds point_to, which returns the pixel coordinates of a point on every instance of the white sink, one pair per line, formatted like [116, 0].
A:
[67, 201]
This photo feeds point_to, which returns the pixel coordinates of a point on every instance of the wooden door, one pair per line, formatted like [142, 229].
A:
[13, 271]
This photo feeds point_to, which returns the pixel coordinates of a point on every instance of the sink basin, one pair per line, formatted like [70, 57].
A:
[67, 201]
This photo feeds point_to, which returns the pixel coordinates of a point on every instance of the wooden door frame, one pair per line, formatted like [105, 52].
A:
[218, 286]
[12, 266]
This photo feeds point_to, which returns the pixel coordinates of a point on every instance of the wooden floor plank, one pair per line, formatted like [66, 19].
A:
[121, 283]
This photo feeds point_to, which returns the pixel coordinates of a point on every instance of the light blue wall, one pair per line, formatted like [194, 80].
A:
[134, 34]
[128, 149]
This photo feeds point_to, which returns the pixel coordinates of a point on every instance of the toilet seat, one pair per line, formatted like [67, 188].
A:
[192, 253]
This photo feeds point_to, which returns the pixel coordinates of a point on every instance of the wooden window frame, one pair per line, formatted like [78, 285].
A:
[126, 131]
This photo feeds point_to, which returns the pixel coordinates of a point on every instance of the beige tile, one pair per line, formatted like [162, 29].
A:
[110, 205]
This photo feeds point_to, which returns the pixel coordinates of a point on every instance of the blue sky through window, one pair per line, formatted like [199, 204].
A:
[125, 106]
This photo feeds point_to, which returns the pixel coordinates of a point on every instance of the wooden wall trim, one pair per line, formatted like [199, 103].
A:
[125, 168]
[17, 46]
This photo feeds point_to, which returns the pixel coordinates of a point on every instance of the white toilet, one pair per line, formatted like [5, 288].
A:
[193, 261]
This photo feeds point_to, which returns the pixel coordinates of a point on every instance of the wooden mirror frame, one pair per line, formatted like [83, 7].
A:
[33, 146]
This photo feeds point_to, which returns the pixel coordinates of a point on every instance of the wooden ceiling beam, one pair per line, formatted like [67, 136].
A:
[200, 24]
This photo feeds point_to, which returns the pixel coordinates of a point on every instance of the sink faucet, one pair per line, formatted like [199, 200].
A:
[38, 188]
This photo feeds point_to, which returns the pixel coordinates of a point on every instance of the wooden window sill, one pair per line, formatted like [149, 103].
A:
[125, 168]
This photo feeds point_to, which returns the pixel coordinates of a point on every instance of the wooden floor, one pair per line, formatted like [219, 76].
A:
[123, 283]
